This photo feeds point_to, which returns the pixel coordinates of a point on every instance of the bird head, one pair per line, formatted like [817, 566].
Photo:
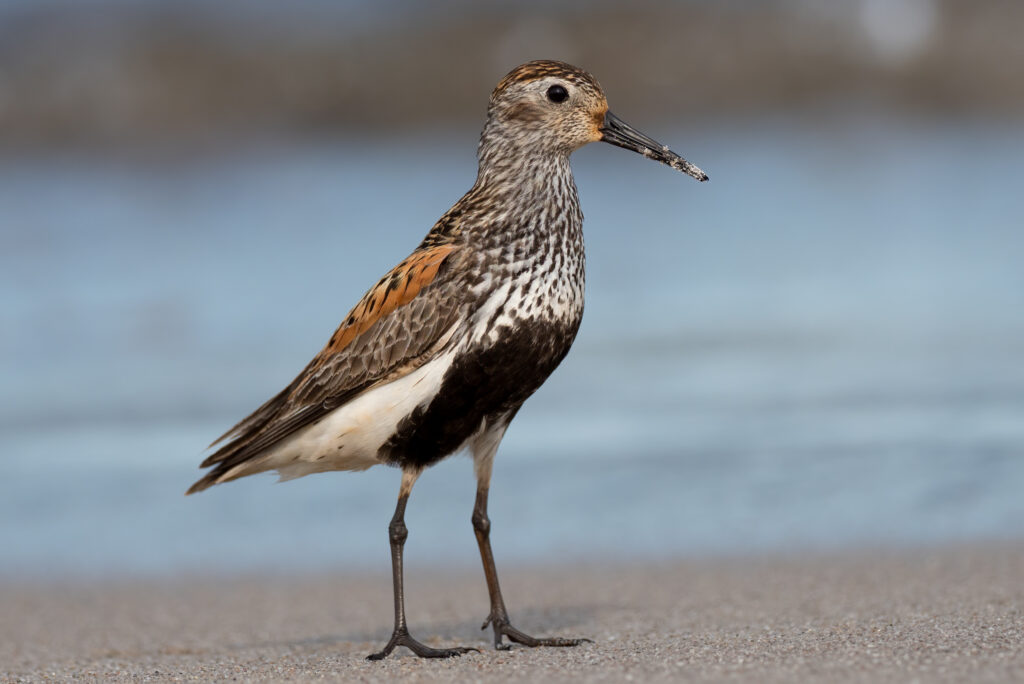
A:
[555, 106]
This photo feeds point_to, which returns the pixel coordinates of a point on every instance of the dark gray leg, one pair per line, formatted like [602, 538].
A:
[397, 533]
[498, 617]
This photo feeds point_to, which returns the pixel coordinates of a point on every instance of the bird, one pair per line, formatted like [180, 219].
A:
[441, 353]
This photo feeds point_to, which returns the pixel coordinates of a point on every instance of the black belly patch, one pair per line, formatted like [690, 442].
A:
[480, 384]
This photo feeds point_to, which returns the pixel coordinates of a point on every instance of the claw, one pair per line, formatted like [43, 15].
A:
[502, 627]
[402, 638]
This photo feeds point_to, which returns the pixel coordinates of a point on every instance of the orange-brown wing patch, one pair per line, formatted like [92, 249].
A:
[396, 289]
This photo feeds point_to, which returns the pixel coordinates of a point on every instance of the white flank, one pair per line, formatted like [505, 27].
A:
[349, 437]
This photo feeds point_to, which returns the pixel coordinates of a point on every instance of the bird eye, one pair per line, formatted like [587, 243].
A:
[557, 93]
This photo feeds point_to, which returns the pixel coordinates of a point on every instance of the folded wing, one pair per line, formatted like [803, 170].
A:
[394, 329]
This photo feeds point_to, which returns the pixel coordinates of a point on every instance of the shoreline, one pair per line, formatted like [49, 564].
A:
[954, 613]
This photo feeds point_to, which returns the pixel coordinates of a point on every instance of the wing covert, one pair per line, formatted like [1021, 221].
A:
[398, 325]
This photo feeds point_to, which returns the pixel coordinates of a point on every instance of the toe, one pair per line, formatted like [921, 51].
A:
[454, 651]
[532, 642]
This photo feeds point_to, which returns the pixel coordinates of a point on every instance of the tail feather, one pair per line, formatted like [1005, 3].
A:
[255, 421]
[220, 474]
[241, 434]
[207, 481]
[226, 459]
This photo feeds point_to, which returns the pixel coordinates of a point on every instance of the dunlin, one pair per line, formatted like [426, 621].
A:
[442, 352]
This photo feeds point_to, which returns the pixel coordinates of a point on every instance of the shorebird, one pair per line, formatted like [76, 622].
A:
[442, 352]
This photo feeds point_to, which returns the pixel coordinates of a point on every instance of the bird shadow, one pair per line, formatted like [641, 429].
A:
[565, 622]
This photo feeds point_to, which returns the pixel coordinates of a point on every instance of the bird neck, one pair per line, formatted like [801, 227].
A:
[523, 195]
[522, 169]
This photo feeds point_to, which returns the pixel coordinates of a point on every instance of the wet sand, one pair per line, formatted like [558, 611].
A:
[949, 615]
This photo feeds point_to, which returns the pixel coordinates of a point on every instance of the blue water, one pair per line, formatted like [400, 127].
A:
[821, 348]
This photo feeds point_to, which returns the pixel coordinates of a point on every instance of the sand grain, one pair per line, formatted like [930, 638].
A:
[950, 615]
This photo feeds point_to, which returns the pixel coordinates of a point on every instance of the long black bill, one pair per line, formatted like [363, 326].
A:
[618, 132]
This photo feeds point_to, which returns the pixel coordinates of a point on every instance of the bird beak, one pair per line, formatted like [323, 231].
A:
[619, 133]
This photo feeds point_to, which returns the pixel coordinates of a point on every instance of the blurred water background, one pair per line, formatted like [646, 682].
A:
[821, 348]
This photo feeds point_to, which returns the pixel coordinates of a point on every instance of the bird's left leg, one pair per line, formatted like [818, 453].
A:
[483, 459]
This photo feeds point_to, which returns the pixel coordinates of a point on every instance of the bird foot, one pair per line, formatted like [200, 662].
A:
[401, 638]
[502, 627]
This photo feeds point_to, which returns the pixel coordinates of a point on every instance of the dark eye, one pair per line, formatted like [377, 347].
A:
[557, 93]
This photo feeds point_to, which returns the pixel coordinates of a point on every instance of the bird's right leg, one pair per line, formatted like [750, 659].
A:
[397, 533]
[483, 458]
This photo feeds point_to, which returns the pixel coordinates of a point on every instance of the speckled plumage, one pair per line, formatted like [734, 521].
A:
[442, 352]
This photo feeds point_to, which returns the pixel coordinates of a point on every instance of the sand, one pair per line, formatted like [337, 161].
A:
[948, 615]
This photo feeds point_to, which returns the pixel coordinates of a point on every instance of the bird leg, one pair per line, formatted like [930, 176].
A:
[397, 533]
[498, 617]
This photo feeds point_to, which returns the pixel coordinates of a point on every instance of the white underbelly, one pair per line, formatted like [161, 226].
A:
[350, 437]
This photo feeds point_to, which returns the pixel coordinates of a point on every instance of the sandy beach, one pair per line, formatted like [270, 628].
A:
[949, 615]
